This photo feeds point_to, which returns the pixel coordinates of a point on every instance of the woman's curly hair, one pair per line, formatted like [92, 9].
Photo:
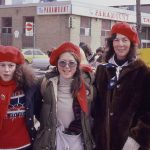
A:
[24, 75]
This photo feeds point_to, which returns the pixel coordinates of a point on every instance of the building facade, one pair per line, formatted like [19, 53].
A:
[2, 2]
[46, 25]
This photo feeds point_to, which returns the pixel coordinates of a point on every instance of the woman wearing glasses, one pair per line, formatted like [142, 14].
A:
[64, 115]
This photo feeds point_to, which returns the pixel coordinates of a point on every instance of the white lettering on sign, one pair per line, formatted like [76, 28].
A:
[54, 9]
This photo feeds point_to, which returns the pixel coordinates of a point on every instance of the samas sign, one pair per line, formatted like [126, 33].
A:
[29, 28]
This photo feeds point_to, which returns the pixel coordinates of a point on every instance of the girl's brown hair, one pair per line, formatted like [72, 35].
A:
[24, 75]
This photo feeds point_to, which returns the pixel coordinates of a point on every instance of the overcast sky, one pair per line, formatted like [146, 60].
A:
[107, 2]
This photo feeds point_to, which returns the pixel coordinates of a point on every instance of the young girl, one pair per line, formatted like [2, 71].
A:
[17, 88]
[65, 112]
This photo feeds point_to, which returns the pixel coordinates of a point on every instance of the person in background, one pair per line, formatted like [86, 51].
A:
[49, 53]
[90, 56]
[17, 88]
[83, 57]
[66, 94]
[99, 54]
[50, 67]
[122, 105]
[88, 52]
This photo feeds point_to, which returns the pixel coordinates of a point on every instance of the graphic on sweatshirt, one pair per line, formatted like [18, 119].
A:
[16, 107]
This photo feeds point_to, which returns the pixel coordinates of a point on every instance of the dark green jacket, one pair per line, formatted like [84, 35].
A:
[46, 136]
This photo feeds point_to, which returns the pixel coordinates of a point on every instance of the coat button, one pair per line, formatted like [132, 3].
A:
[111, 114]
[118, 85]
[32, 128]
[30, 118]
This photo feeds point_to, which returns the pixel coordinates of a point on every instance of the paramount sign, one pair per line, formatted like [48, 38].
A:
[63, 9]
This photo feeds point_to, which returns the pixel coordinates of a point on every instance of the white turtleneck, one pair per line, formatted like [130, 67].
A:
[65, 101]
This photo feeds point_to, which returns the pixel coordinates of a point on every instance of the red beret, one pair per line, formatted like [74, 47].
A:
[12, 54]
[65, 47]
[127, 30]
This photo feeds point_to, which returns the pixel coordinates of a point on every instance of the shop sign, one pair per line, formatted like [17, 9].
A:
[63, 9]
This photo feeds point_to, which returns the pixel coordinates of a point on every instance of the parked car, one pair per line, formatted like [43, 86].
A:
[30, 54]
[40, 63]
[41, 67]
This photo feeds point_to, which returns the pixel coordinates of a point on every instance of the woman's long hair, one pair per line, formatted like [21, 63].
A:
[110, 49]
[76, 83]
[24, 75]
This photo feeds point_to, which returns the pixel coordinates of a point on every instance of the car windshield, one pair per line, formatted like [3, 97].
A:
[28, 52]
[35, 52]
[32, 52]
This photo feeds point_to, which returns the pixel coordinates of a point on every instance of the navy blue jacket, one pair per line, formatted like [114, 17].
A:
[29, 106]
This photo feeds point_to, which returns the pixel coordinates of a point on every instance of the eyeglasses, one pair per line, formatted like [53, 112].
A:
[63, 63]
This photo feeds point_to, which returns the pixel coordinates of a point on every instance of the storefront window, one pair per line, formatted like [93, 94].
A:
[144, 32]
[148, 37]
[6, 31]
[105, 31]
[145, 36]
[85, 27]
[106, 26]
[7, 25]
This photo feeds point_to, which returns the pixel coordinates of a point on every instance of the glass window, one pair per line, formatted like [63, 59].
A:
[28, 52]
[105, 30]
[35, 52]
[143, 34]
[106, 24]
[85, 26]
[85, 22]
[148, 38]
[148, 45]
[144, 45]
[6, 25]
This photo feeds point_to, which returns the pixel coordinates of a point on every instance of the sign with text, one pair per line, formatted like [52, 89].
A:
[60, 9]
[29, 28]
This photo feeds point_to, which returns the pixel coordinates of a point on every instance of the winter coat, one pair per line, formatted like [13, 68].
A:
[29, 106]
[46, 136]
[122, 110]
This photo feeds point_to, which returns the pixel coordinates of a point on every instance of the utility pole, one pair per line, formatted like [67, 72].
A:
[138, 19]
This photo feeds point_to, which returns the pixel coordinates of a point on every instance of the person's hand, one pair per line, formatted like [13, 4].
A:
[131, 144]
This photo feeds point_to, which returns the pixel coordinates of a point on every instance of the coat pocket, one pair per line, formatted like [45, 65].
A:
[65, 141]
[42, 140]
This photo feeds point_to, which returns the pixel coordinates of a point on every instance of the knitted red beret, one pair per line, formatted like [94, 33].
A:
[65, 47]
[127, 30]
[12, 54]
